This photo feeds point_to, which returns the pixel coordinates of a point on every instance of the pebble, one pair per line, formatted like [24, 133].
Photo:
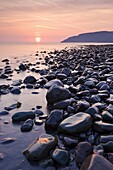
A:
[7, 140]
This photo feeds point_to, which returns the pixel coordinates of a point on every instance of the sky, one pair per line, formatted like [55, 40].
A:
[52, 20]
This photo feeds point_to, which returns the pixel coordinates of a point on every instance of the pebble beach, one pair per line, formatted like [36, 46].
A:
[56, 110]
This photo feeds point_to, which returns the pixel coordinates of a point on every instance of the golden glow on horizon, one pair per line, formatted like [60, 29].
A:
[38, 39]
[55, 20]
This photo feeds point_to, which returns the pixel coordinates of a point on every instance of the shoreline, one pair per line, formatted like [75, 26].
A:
[71, 81]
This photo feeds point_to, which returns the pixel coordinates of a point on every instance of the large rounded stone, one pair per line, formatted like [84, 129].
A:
[107, 117]
[82, 151]
[55, 117]
[53, 82]
[27, 125]
[96, 162]
[29, 80]
[102, 127]
[57, 93]
[22, 116]
[15, 90]
[40, 148]
[105, 139]
[22, 67]
[82, 105]
[79, 122]
[66, 71]
[108, 147]
[2, 113]
[92, 111]
[63, 104]
[61, 156]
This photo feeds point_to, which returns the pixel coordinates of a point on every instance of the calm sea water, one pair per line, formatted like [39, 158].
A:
[26, 50]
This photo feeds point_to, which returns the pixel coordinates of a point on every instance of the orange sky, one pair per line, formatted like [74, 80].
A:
[52, 20]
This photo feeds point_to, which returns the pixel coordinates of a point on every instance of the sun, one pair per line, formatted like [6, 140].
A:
[38, 39]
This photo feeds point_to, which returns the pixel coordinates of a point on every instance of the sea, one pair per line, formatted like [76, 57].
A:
[28, 50]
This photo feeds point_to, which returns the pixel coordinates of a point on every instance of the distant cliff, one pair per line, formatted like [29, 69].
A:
[101, 37]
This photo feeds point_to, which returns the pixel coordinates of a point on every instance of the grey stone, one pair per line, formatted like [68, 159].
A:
[57, 93]
[40, 149]
[83, 149]
[92, 111]
[29, 80]
[96, 162]
[70, 142]
[2, 113]
[79, 122]
[61, 156]
[53, 82]
[107, 117]
[63, 104]
[108, 147]
[22, 116]
[66, 71]
[15, 90]
[7, 140]
[106, 138]
[103, 127]
[95, 99]
[98, 150]
[61, 76]
[55, 117]
[82, 105]
[27, 125]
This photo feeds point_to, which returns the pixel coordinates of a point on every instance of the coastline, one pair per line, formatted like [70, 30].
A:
[86, 67]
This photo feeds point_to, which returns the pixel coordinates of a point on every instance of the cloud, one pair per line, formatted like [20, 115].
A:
[55, 17]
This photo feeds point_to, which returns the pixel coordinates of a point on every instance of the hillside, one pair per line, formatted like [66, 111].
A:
[101, 37]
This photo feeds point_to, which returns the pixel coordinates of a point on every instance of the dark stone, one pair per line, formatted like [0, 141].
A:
[63, 104]
[96, 162]
[70, 142]
[98, 150]
[105, 139]
[27, 125]
[55, 117]
[110, 108]
[41, 147]
[53, 82]
[13, 106]
[102, 127]
[82, 105]
[29, 80]
[22, 116]
[77, 123]
[83, 149]
[15, 90]
[7, 140]
[39, 112]
[66, 71]
[100, 106]
[22, 67]
[2, 113]
[92, 111]
[3, 76]
[62, 157]
[110, 157]
[108, 147]
[57, 93]
[107, 117]
[37, 121]
[95, 99]
[61, 76]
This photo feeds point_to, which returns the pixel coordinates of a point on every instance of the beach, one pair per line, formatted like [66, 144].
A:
[60, 99]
